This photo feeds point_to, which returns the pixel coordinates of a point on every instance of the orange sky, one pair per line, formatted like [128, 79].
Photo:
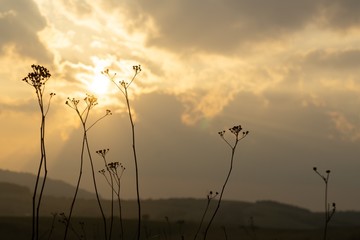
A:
[288, 71]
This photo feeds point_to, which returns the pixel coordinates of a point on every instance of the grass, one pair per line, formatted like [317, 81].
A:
[20, 228]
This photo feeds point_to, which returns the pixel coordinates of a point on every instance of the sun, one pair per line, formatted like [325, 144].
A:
[99, 85]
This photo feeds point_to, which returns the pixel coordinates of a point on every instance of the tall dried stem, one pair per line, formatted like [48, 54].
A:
[329, 212]
[239, 135]
[37, 79]
[123, 87]
[114, 180]
[83, 115]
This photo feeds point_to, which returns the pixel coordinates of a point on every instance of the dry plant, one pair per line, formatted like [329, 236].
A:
[329, 211]
[112, 175]
[239, 135]
[37, 79]
[210, 196]
[123, 87]
[83, 114]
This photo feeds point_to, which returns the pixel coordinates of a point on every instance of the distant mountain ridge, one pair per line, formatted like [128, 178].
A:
[15, 200]
[55, 188]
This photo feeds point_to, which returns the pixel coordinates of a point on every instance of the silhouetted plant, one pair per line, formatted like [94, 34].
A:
[37, 79]
[103, 153]
[329, 211]
[239, 135]
[123, 87]
[250, 230]
[224, 231]
[209, 197]
[90, 103]
[54, 215]
[113, 176]
[66, 221]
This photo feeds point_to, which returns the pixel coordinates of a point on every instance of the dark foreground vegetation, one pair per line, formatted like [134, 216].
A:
[90, 228]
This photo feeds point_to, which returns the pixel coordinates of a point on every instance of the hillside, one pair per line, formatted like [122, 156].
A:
[15, 200]
[54, 188]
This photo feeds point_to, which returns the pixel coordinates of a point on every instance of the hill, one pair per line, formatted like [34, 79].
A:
[15, 201]
[55, 188]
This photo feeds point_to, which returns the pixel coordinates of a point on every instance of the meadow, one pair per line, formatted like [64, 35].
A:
[20, 228]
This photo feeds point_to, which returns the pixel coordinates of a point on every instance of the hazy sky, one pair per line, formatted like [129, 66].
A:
[287, 71]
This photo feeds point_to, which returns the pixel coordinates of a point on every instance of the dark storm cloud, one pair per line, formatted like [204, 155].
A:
[19, 23]
[333, 60]
[342, 14]
[223, 26]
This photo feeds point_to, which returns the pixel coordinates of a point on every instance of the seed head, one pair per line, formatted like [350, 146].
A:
[221, 133]
[103, 152]
[38, 77]
[137, 69]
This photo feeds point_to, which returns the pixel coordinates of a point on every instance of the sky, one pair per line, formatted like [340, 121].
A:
[286, 71]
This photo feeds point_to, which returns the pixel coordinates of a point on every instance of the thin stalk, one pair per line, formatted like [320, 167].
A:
[123, 87]
[326, 208]
[95, 187]
[108, 167]
[222, 191]
[91, 101]
[234, 130]
[118, 182]
[77, 188]
[136, 164]
[37, 79]
[328, 213]
[112, 208]
[210, 196]
[44, 163]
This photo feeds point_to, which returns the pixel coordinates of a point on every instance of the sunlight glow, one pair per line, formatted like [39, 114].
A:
[99, 84]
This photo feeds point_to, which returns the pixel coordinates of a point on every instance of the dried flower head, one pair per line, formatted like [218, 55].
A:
[113, 165]
[103, 152]
[90, 100]
[236, 129]
[212, 195]
[72, 102]
[221, 133]
[137, 68]
[38, 77]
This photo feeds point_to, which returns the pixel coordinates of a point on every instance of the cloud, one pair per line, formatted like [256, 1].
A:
[333, 60]
[342, 15]
[20, 21]
[220, 26]
[346, 129]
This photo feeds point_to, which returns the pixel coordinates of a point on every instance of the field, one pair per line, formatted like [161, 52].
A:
[20, 228]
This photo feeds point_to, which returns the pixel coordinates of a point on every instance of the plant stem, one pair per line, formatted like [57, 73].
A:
[136, 163]
[95, 186]
[77, 187]
[223, 188]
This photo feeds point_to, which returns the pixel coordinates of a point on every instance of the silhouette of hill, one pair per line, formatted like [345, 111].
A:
[15, 200]
[53, 187]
